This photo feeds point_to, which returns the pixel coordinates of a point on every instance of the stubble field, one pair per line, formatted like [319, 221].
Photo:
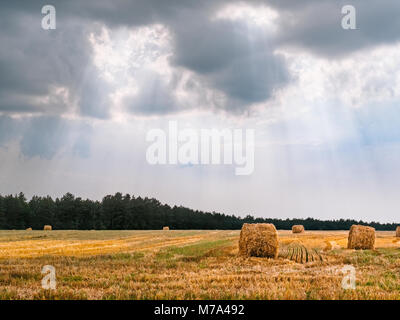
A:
[193, 265]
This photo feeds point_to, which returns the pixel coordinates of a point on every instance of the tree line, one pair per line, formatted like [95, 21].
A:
[126, 212]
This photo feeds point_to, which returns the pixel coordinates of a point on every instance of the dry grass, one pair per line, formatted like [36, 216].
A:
[192, 265]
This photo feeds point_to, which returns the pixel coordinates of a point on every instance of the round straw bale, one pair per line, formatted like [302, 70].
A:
[258, 240]
[28, 229]
[361, 237]
[47, 227]
[398, 232]
[165, 228]
[298, 229]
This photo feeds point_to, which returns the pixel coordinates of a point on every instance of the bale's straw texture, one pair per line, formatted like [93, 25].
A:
[398, 232]
[258, 240]
[29, 229]
[47, 227]
[298, 229]
[165, 228]
[361, 237]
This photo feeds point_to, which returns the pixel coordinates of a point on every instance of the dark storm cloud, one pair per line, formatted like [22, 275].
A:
[225, 54]
[230, 57]
[93, 95]
[8, 130]
[154, 96]
[45, 136]
[35, 63]
[315, 25]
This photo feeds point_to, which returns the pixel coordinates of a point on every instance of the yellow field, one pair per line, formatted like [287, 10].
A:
[192, 265]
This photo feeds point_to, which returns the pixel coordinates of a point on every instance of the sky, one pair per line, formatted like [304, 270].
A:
[77, 102]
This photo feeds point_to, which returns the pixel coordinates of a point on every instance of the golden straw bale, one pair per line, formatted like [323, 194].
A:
[47, 227]
[165, 228]
[258, 240]
[29, 229]
[361, 237]
[298, 229]
[398, 232]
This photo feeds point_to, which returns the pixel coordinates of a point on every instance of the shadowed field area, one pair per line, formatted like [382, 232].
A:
[193, 265]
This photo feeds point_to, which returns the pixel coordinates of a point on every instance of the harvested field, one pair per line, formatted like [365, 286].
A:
[192, 265]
